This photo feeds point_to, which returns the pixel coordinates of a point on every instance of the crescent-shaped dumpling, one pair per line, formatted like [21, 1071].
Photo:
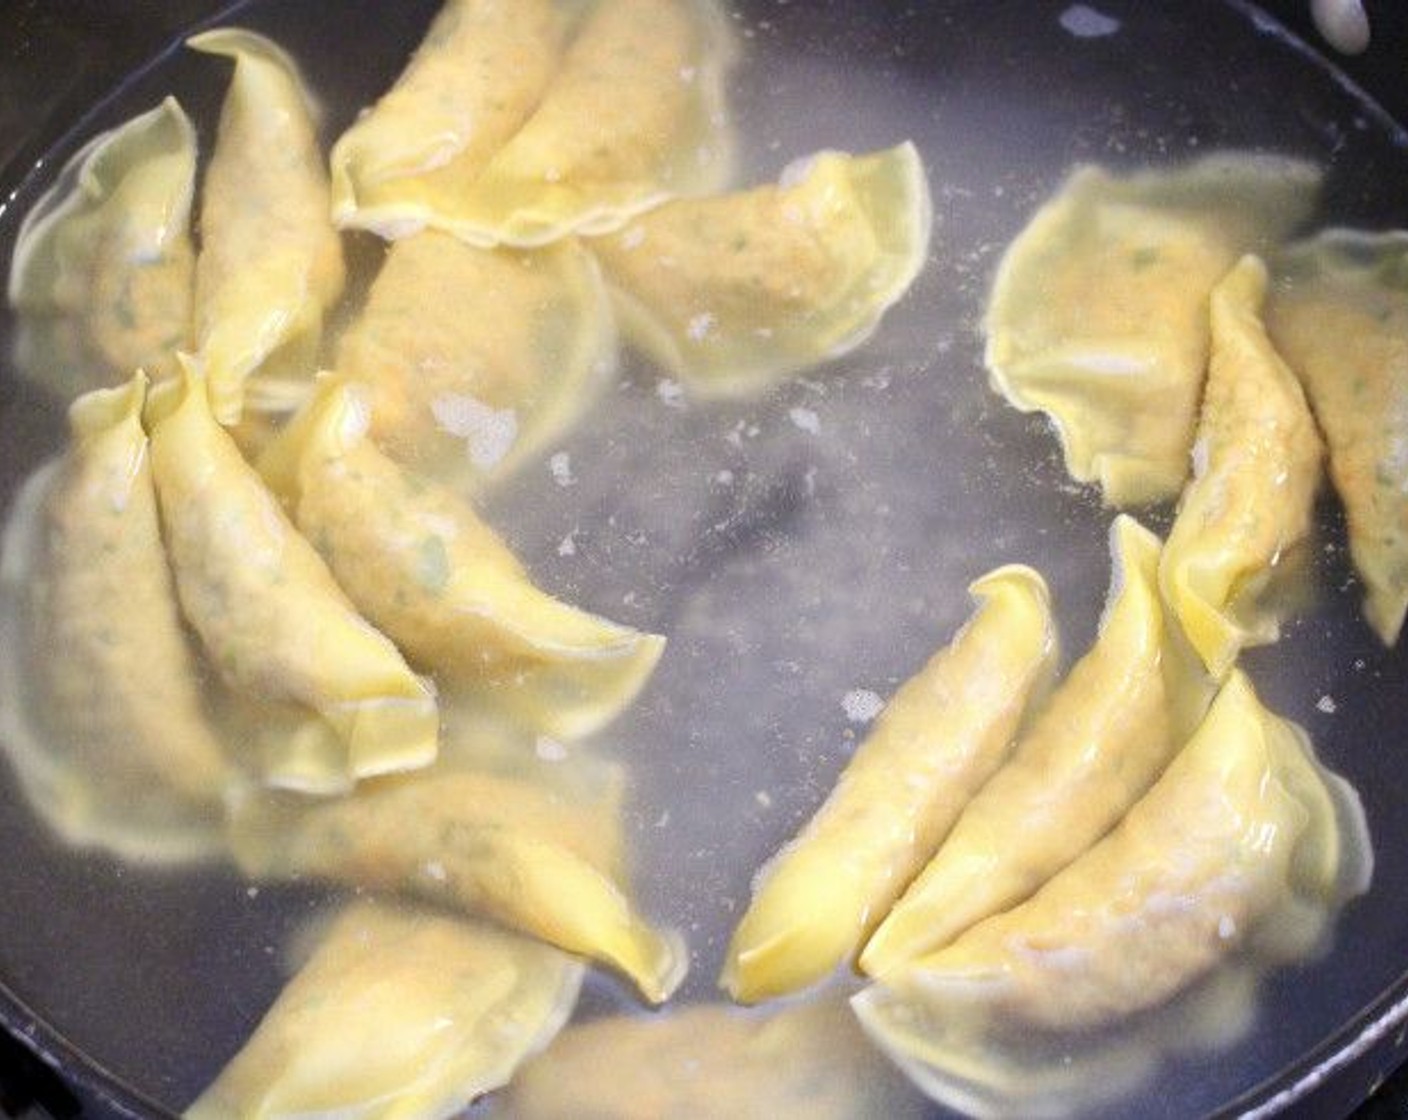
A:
[1107, 733]
[397, 1013]
[1256, 467]
[1098, 315]
[1245, 846]
[270, 262]
[1339, 315]
[104, 716]
[103, 269]
[273, 622]
[711, 1062]
[525, 855]
[635, 115]
[478, 75]
[476, 359]
[420, 564]
[940, 738]
[730, 293]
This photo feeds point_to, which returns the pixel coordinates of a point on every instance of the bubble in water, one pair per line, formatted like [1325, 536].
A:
[861, 705]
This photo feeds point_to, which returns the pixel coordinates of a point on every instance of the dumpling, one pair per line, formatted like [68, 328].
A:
[1339, 316]
[1256, 467]
[527, 856]
[477, 359]
[104, 715]
[1108, 731]
[1245, 847]
[711, 1062]
[1098, 315]
[941, 737]
[635, 115]
[103, 268]
[1243, 824]
[730, 293]
[270, 262]
[475, 79]
[273, 622]
[419, 563]
[397, 1013]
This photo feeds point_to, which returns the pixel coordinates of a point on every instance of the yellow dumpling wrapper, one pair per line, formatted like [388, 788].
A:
[731, 293]
[1107, 733]
[270, 263]
[938, 741]
[397, 1014]
[273, 622]
[635, 115]
[711, 1062]
[475, 79]
[1245, 847]
[103, 714]
[1098, 315]
[478, 359]
[1339, 316]
[420, 564]
[103, 269]
[1256, 467]
[528, 856]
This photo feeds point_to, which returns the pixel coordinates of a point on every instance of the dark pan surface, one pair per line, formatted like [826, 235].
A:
[788, 566]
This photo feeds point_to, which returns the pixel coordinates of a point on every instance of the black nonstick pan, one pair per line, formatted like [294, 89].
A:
[794, 549]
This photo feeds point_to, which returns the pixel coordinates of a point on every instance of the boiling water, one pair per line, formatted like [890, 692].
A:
[803, 551]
